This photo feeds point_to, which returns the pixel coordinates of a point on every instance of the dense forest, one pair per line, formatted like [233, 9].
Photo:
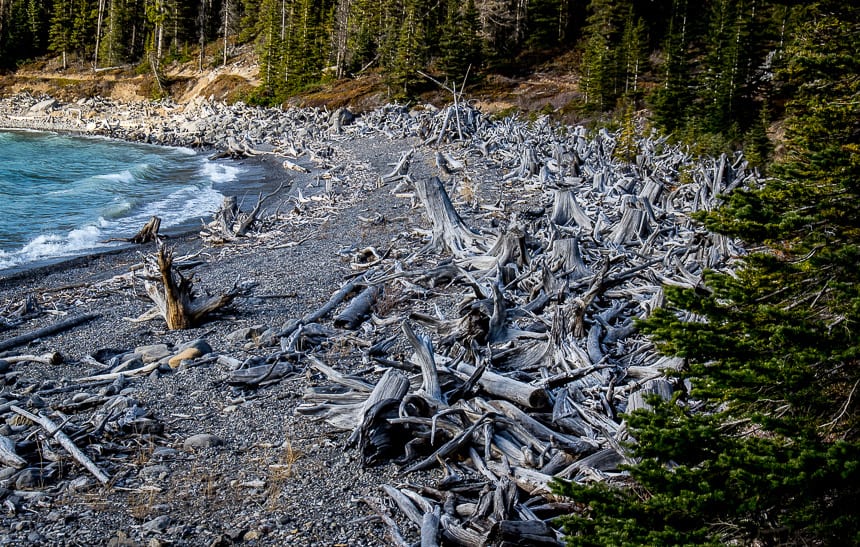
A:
[701, 66]
[761, 443]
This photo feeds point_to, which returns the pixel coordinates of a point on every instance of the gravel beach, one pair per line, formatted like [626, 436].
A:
[266, 476]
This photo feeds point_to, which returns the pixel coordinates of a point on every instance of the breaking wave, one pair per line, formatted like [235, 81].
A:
[64, 196]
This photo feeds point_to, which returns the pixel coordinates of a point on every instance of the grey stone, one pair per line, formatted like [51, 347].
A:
[156, 525]
[202, 440]
[246, 333]
[157, 472]
[199, 344]
[152, 353]
[164, 453]
[41, 106]
[29, 478]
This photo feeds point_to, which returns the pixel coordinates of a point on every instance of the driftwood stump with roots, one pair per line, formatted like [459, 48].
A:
[173, 293]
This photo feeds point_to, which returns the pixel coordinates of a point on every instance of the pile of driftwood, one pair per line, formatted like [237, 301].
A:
[523, 355]
[47, 428]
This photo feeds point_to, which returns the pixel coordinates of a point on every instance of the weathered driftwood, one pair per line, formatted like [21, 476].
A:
[401, 168]
[530, 357]
[110, 376]
[374, 435]
[49, 330]
[229, 223]
[358, 310]
[658, 386]
[293, 166]
[316, 315]
[8, 456]
[394, 534]
[260, 375]
[566, 210]
[56, 432]
[51, 358]
[148, 233]
[530, 396]
[424, 352]
[174, 296]
[448, 229]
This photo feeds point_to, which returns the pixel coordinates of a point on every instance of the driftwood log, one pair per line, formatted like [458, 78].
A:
[56, 432]
[148, 233]
[60, 326]
[174, 296]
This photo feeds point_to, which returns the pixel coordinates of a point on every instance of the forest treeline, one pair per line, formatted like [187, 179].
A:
[704, 65]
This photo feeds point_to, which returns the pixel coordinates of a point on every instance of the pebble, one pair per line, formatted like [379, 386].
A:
[185, 355]
[164, 453]
[202, 440]
[245, 333]
[199, 344]
[29, 478]
[157, 472]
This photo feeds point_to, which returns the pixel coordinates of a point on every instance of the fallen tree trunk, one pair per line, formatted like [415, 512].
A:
[358, 310]
[509, 389]
[54, 430]
[47, 331]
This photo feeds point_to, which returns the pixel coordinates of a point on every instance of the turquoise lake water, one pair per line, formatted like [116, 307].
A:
[63, 195]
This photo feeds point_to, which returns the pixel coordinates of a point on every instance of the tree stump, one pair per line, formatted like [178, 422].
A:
[174, 296]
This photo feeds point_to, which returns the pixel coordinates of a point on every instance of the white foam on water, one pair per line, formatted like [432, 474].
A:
[123, 176]
[53, 246]
[219, 173]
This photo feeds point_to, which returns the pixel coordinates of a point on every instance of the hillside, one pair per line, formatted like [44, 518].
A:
[549, 89]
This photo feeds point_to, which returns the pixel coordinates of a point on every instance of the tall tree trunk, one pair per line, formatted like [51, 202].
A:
[98, 33]
[226, 27]
[202, 40]
[341, 38]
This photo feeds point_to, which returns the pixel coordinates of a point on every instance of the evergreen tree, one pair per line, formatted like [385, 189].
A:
[23, 30]
[600, 56]
[671, 102]
[114, 46]
[632, 53]
[546, 23]
[410, 52]
[271, 30]
[459, 44]
[60, 35]
[765, 447]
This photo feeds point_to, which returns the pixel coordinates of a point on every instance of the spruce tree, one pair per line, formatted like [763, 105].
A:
[765, 447]
[459, 43]
[671, 102]
[60, 34]
[410, 51]
[600, 54]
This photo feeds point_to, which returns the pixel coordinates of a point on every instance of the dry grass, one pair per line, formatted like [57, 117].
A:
[281, 472]
[141, 502]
